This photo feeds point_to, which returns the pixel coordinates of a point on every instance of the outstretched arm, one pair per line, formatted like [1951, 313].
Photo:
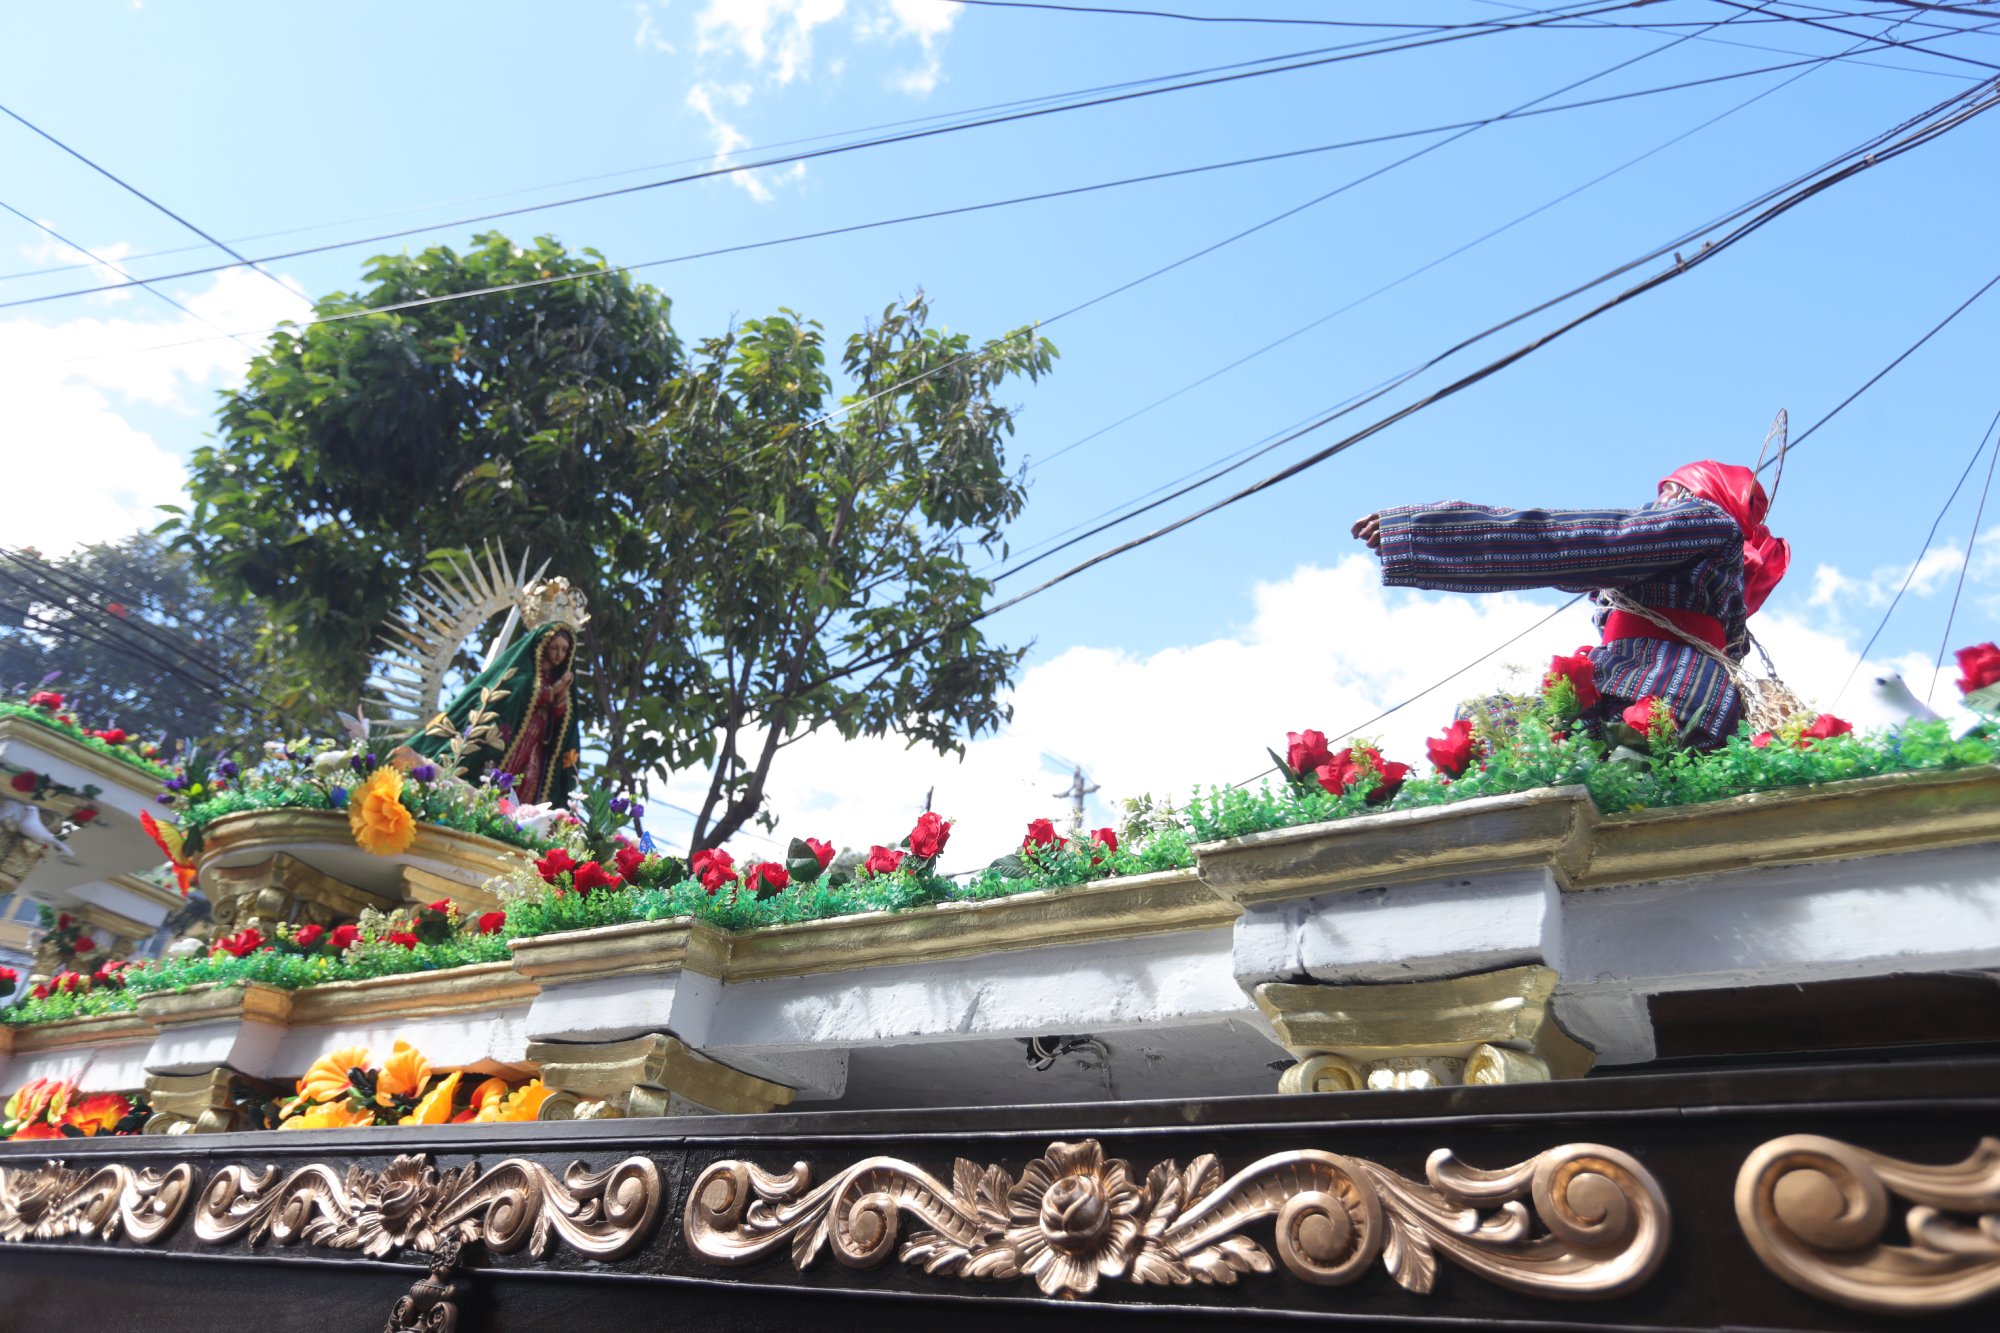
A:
[1458, 547]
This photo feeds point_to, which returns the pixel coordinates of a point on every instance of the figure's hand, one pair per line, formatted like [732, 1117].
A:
[1369, 530]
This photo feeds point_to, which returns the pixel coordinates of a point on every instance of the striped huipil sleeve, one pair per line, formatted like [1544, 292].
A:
[1459, 547]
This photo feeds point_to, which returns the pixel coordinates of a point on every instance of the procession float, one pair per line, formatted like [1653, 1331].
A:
[1572, 1028]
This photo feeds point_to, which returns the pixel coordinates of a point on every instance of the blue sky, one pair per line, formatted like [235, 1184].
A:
[251, 119]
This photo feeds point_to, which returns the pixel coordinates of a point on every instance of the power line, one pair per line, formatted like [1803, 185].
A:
[1849, 32]
[1971, 539]
[132, 189]
[881, 141]
[1929, 537]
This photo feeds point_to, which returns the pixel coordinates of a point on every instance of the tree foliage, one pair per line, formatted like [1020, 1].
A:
[763, 553]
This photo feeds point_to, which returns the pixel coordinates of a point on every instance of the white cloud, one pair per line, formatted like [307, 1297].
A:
[777, 33]
[647, 37]
[703, 98]
[102, 264]
[82, 473]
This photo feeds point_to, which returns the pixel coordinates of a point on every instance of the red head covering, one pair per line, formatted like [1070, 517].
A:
[1741, 496]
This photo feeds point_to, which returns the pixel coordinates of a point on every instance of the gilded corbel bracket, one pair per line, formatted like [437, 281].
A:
[208, 1103]
[283, 888]
[645, 1076]
[1491, 1027]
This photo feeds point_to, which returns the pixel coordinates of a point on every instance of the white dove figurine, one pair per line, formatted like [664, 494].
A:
[1890, 704]
[26, 820]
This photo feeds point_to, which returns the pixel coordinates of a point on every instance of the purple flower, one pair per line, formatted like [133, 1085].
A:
[504, 781]
[164, 799]
[337, 797]
[618, 805]
[52, 678]
[228, 768]
[424, 773]
[357, 763]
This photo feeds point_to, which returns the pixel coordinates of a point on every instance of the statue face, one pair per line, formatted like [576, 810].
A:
[557, 650]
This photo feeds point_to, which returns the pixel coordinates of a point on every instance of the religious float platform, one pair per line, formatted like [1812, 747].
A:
[1733, 1064]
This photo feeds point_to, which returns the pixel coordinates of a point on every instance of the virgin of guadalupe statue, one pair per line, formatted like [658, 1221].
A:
[535, 728]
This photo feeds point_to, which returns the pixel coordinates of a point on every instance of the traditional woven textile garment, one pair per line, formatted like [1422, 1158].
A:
[1680, 559]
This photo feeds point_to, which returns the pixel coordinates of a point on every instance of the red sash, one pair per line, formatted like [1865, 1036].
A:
[1625, 625]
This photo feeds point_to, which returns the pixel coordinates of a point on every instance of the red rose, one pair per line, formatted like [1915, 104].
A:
[555, 863]
[1305, 750]
[24, 781]
[67, 982]
[8, 976]
[1041, 833]
[928, 838]
[1639, 716]
[1451, 753]
[309, 935]
[1825, 725]
[491, 922]
[887, 860]
[85, 815]
[1762, 740]
[243, 943]
[1577, 670]
[713, 867]
[41, 990]
[822, 850]
[1346, 769]
[1393, 774]
[768, 878]
[343, 938]
[591, 875]
[1106, 838]
[1979, 666]
[111, 736]
[48, 699]
[629, 860]
[402, 937]
[441, 906]
[84, 944]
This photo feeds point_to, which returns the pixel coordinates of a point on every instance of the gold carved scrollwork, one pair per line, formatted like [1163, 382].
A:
[514, 1204]
[1815, 1210]
[1594, 1224]
[51, 1201]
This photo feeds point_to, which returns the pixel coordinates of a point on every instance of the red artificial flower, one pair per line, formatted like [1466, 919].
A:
[1346, 769]
[8, 976]
[591, 875]
[67, 982]
[768, 878]
[343, 938]
[41, 991]
[309, 935]
[1305, 751]
[84, 944]
[1978, 666]
[554, 863]
[823, 851]
[1041, 833]
[64, 921]
[442, 906]
[629, 860]
[713, 867]
[85, 815]
[1762, 740]
[118, 609]
[928, 838]
[24, 781]
[1451, 753]
[243, 943]
[887, 860]
[1578, 671]
[1824, 726]
[1105, 838]
[402, 937]
[111, 736]
[1639, 716]
[48, 699]
[491, 922]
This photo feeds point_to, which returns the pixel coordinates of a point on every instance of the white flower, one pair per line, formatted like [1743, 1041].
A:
[330, 762]
[536, 819]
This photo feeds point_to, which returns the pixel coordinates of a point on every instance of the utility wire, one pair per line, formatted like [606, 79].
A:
[1849, 32]
[1971, 539]
[784, 159]
[132, 189]
[1925, 550]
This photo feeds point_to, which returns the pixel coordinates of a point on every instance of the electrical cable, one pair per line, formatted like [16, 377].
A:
[822, 152]
[1929, 537]
[1849, 32]
[1971, 540]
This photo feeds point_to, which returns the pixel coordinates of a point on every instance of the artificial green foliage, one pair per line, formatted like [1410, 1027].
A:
[54, 1008]
[124, 754]
[430, 803]
[290, 971]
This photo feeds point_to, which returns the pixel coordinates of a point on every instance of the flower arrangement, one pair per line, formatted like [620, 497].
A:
[52, 1109]
[349, 1087]
[1979, 677]
[47, 708]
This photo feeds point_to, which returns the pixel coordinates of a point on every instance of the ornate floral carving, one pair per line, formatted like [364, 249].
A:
[411, 1203]
[431, 1305]
[1598, 1225]
[1815, 1210]
[50, 1201]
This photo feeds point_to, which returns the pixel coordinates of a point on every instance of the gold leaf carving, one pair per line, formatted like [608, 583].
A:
[51, 1201]
[1815, 1211]
[515, 1204]
[1593, 1225]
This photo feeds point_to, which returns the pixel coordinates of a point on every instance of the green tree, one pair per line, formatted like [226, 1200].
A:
[749, 538]
[139, 640]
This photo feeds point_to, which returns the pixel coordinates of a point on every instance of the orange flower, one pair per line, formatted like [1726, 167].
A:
[40, 1130]
[378, 817]
[403, 1074]
[435, 1108]
[98, 1114]
[327, 1079]
[521, 1104]
[334, 1115]
[28, 1100]
[490, 1090]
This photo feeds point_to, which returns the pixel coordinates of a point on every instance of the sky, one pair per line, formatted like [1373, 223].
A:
[280, 127]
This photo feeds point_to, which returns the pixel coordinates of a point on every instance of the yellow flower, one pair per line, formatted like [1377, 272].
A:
[334, 1115]
[435, 1108]
[403, 1074]
[522, 1104]
[491, 1090]
[381, 823]
[327, 1079]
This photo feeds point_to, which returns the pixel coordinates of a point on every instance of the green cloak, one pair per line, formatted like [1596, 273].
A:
[523, 658]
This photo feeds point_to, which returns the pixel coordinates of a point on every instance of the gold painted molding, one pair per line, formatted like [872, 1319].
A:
[248, 1001]
[1559, 829]
[1074, 1217]
[114, 773]
[1815, 1210]
[89, 1030]
[51, 1201]
[412, 995]
[632, 948]
[652, 1075]
[272, 831]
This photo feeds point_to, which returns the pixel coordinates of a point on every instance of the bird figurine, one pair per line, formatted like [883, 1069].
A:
[1888, 704]
[26, 821]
